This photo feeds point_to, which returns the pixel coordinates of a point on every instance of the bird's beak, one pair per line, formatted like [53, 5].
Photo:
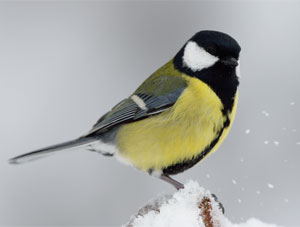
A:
[231, 62]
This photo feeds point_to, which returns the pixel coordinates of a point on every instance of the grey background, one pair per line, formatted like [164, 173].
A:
[63, 65]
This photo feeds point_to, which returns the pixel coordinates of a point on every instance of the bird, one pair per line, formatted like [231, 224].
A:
[175, 118]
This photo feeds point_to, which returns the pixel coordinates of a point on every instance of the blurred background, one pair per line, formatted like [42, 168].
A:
[64, 64]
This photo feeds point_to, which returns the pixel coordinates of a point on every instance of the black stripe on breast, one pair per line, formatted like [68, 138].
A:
[180, 167]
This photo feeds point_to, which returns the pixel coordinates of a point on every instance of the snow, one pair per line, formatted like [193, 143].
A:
[265, 113]
[185, 208]
[270, 186]
[266, 142]
[234, 181]
[180, 210]
[276, 143]
[292, 103]
[247, 131]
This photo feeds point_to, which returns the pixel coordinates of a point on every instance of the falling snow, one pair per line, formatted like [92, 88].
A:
[247, 131]
[234, 181]
[276, 143]
[265, 113]
[266, 142]
[270, 186]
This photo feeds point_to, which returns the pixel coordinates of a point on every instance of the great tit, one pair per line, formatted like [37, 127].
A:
[175, 118]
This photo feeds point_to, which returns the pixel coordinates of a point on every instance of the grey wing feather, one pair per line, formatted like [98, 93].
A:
[128, 110]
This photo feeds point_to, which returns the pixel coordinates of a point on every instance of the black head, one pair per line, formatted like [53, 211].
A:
[207, 48]
[212, 57]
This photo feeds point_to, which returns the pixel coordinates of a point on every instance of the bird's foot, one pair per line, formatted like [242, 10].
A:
[221, 207]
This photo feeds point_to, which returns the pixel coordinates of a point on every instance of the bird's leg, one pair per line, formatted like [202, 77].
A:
[171, 181]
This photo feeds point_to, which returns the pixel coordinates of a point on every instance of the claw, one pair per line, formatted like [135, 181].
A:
[219, 203]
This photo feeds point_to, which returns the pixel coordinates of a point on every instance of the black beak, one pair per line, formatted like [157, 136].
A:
[231, 62]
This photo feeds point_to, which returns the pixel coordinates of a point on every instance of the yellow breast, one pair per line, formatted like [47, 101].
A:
[176, 135]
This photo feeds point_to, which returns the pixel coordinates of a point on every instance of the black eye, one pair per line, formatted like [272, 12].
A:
[211, 49]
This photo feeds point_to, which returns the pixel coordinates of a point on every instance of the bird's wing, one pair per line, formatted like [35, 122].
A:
[154, 96]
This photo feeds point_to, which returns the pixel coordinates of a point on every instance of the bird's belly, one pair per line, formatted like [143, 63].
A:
[174, 136]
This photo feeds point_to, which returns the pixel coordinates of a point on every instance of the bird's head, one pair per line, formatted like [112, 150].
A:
[207, 49]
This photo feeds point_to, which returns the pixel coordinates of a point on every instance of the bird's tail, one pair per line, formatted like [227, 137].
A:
[44, 152]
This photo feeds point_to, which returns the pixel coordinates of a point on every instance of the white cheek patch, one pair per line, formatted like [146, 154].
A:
[196, 58]
[238, 70]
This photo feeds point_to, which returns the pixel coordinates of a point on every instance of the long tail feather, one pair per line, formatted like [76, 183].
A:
[44, 152]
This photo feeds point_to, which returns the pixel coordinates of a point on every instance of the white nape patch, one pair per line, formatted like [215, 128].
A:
[103, 148]
[238, 70]
[139, 102]
[196, 58]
